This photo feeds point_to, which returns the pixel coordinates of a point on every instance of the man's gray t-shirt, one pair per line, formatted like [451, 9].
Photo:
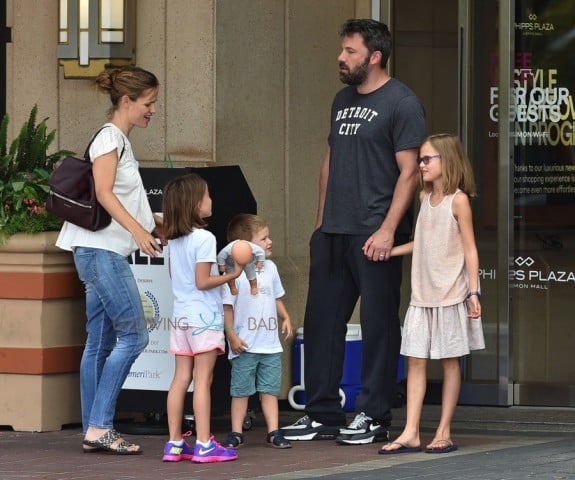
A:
[366, 132]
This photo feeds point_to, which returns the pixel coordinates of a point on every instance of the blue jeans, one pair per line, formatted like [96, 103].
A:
[116, 329]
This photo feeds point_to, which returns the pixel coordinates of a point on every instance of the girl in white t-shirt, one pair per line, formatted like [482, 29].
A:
[197, 337]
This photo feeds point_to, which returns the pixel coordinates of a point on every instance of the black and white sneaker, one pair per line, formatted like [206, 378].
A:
[307, 429]
[362, 430]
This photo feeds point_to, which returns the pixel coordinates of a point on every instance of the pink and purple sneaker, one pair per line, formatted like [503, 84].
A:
[177, 453]
[213, 452]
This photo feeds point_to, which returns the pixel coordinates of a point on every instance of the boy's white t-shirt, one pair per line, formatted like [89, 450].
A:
[193, 307]
[255, 316]
[129, 189]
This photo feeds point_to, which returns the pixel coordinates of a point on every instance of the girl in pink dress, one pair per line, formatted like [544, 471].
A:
[443, 320]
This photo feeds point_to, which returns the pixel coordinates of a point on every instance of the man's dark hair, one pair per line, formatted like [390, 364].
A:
[376, 36]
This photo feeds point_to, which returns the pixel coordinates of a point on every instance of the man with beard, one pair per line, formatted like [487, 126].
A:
[367, 184]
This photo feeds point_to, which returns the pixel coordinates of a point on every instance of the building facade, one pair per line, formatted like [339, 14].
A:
[250, 83]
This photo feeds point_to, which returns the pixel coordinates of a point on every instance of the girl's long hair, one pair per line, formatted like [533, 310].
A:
[455, 165]
[181, 205]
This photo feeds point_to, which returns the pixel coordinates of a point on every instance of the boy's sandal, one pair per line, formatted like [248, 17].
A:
[105, 442]
[276, 439]
[234, 440]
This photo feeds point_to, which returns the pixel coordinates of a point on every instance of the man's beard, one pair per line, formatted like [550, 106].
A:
[354, 77]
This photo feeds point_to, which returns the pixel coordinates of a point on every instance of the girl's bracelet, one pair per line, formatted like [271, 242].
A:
[476, 293]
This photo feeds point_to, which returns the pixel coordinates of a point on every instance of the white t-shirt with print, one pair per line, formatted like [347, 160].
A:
[193, 307]
[129, 189]
[255, 316]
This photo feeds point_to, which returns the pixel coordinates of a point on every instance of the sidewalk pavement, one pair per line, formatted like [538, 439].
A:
[494, 444]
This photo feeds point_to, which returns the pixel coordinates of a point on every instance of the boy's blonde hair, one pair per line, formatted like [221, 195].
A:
[244, 226]
[455, 165]
[181, 205]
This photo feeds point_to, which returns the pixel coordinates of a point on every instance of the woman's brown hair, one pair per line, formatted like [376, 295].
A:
[181, 205]
[129, 80]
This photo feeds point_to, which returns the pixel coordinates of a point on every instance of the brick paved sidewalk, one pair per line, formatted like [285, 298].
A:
[523, 447]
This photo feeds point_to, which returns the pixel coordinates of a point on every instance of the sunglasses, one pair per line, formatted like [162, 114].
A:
[426, 158]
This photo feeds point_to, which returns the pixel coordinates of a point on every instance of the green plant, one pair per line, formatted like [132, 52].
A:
[25, 168]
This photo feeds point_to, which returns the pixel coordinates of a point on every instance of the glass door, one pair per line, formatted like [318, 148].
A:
[449, 55]
[484, 91]
[514, 109]
[519, 122]
[543, 272]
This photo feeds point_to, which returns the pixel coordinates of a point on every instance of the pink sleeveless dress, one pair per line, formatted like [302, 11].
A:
[436, 323]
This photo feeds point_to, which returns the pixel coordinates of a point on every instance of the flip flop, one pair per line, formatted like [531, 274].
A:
[88, 449]
[435, 446]
[403, 448]
[105, 442]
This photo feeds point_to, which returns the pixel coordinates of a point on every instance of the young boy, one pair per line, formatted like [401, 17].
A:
[252, 324]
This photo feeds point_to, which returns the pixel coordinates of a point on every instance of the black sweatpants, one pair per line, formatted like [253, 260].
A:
[339, 274]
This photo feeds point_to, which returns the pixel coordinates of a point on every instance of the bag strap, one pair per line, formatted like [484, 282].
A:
[87, 151]
[123, 149]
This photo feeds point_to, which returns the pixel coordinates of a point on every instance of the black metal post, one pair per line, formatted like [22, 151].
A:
[5, 37]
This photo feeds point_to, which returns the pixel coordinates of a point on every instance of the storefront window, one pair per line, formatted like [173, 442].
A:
[543, 276]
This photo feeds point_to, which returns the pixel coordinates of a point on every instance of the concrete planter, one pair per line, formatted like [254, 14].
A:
[42, 325]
